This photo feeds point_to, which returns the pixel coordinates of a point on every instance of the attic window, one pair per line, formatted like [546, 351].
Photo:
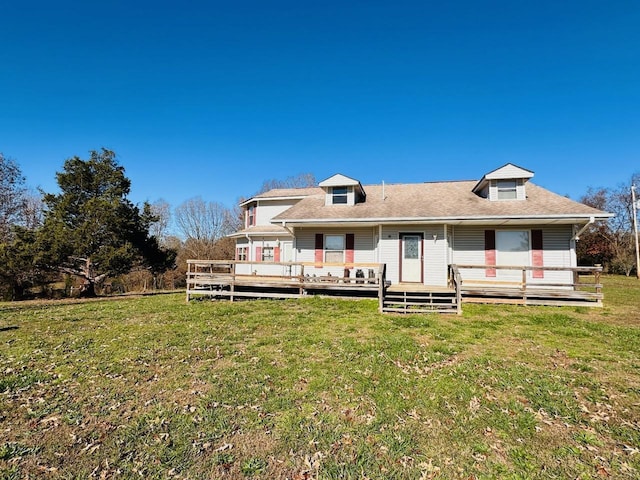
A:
[507, 189]
[339, 195]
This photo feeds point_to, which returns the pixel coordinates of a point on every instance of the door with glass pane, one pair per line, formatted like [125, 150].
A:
[411, 257]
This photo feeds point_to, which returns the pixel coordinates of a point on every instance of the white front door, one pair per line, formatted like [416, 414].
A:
[287, 256]
[411, 257]
[512, 248]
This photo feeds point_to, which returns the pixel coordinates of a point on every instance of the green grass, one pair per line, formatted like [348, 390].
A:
[152, 387]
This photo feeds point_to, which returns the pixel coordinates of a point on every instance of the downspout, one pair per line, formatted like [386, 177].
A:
[249, 247]
[591, 221]
[284, 225]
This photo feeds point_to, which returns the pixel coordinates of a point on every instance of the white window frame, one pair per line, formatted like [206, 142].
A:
[251, 216]
[334, 250]
[243, 254]
[335, 195]
[270, 257]
[507, 189]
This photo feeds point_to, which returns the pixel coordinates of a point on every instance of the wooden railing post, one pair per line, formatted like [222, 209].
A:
[232, 287]
[381, 285]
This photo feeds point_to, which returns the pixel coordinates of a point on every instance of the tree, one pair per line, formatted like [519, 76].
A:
[91, 229]
[301, 180]
[20, 215]
[161, 210]
[12, 197]
[611, 243]
[204, 226]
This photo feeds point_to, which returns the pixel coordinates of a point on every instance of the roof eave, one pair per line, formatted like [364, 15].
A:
[452, 220]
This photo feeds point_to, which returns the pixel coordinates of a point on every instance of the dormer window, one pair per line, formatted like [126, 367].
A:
[341, 190]
[505, 183]
[339, 195]
[507, 189]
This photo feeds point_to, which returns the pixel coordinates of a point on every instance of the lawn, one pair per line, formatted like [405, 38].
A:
[320, 388]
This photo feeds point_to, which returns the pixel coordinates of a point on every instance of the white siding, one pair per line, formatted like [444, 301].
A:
[435, 252]
[267, 209]
[468, 249]
[509, 171]
[364, 248]
[389, 252]
[556, 241]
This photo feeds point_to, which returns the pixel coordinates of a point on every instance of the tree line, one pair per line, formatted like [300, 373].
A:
[90, 237]
[612, 243]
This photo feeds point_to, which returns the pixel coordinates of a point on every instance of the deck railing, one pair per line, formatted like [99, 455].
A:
[223, 277]
[561, 282]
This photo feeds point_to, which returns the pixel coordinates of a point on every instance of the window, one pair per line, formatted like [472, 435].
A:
[334, 248]
[251, 216]
[267, 254]
[242, 254]
[339, 195]
[507, 189]
[512, 248]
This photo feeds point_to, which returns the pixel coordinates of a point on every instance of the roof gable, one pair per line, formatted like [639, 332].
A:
[339, 180]
[508, 171]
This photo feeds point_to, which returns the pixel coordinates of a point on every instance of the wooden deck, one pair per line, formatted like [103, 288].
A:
[220, 279]
[584, 288]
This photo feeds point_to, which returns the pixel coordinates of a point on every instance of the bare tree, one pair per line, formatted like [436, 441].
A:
[161, 210]
[33, 210]
[202, 220]
[611, 243]
[301, 180]
[12, 197]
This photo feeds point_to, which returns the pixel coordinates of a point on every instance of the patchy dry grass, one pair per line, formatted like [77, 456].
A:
[319, 388]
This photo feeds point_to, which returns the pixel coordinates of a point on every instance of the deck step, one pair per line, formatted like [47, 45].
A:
[419, 301]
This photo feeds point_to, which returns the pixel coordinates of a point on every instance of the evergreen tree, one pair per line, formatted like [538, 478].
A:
[91, 229]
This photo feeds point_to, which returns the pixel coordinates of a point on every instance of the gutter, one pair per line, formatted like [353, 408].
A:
[591, 221]
[427, 220]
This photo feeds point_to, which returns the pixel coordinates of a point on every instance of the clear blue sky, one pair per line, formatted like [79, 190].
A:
[211, 98]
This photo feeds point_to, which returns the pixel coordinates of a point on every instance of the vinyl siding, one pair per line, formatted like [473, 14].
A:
[435, 252]
[364, 248]
[468, 248]
[267, 209]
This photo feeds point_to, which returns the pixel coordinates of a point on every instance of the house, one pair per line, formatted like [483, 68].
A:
[499, 232]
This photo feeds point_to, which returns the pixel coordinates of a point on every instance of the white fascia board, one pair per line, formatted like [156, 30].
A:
[266, 199]
[569, 218]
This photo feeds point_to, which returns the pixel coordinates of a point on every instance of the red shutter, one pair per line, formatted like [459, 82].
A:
[258, 254]
[276, 254]
[537, 256]
[349, 244]
[319, 248]
[490, 252]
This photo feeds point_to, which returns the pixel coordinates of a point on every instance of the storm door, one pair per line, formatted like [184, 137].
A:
[411, 263]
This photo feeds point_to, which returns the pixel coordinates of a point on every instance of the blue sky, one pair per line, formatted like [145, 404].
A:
[212, 98]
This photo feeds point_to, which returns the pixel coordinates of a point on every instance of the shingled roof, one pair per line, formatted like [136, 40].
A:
[437, 201]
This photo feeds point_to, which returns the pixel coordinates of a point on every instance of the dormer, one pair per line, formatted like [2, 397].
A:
[505, 183]
[342, 190]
